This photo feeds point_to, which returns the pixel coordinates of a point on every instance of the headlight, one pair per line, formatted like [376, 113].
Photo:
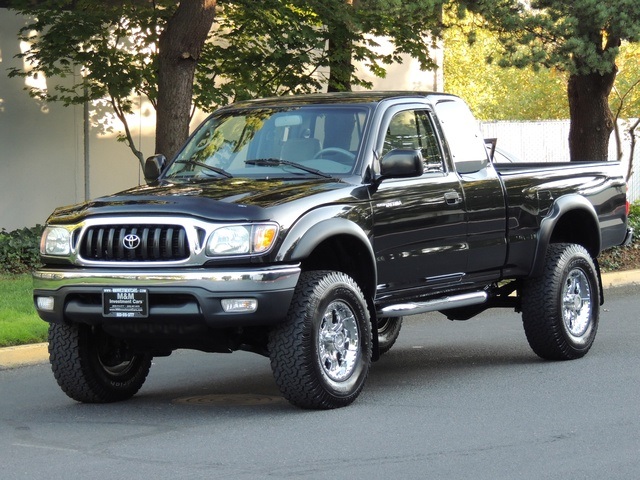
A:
[241, 239]
[55, 241]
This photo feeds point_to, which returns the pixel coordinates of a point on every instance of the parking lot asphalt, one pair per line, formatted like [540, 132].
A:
[12, 357]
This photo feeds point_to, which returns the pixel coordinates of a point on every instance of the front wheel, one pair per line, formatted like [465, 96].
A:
[320, 356]
[560, 309]
[93, 367]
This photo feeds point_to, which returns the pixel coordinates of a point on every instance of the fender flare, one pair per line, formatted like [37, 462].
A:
[317, 226]
[560, 207]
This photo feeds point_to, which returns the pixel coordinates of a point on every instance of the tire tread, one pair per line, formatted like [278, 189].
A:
[70, 354]
[291, 347]
[540, 316]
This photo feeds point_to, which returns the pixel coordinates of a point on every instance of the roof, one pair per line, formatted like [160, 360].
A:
[334, 97]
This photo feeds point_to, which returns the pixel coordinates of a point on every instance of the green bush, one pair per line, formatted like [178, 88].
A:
[634, 217]
[20, 250]
[624, 258]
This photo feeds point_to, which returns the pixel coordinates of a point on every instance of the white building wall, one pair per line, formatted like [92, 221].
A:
[41, 148]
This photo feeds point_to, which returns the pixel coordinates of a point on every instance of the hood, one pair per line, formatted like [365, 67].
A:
[231, 200]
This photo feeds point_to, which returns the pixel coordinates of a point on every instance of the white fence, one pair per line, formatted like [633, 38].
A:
[547, 141]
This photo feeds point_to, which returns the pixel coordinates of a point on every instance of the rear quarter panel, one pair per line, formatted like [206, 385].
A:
[534, 192]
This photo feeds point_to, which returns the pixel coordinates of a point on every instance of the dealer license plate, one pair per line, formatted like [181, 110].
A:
[125, 302]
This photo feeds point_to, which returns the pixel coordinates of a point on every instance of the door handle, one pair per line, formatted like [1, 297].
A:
[452, 198]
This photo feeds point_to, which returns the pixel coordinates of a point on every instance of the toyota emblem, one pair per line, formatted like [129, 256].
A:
[131, 241]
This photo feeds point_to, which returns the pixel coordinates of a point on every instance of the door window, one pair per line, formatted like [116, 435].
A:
[412, 130]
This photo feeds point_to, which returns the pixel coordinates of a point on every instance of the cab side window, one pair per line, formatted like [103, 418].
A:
[412, 129]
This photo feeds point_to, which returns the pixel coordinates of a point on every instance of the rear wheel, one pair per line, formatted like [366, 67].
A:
[560, 309]
[93, 367]
[388, 331]
[320, 356]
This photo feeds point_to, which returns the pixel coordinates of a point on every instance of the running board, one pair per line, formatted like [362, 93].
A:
[444, 303]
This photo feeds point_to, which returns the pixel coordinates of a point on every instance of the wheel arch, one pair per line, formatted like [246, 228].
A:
[337, 244]
[572, 219]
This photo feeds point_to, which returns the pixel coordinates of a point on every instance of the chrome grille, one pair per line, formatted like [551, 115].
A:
[117, 243]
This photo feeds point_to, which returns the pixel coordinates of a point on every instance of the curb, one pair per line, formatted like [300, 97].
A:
[23, 355]
[620, 279]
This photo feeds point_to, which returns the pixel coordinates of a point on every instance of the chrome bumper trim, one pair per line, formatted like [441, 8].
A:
[261, 280]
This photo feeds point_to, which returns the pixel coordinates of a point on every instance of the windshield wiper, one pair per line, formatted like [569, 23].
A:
[276, 162]
[219, 171]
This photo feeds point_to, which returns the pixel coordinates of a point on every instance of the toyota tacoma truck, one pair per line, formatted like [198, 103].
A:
[304, 228]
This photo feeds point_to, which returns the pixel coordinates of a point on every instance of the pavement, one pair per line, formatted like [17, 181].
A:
[34, 354]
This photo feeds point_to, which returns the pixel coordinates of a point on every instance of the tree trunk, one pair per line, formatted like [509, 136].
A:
[180, 45]
[340, 61]
[341, 47]
[591, 118]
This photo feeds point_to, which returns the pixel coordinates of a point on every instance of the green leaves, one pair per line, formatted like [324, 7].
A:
[495, 92]
[106, 52]
[259, 52]
[284, 47]
[20, 250]
[105, 49]
[579, 37]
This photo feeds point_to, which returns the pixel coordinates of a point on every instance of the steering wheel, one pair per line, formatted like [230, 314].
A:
[347, 157]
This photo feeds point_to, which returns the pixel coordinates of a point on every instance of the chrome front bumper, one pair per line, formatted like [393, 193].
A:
[180, 295]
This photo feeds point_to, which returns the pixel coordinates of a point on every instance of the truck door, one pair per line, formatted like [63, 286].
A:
[483, 191]
[420, 223]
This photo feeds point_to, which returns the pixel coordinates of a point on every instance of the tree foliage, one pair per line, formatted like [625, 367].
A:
[255, 52]
[582, 38]
[105, 54]
[301, 46]
[625, 100]
[109, 51]
[352, 25]
[494, 92]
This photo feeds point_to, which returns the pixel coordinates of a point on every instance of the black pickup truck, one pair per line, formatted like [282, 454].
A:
[304, 228]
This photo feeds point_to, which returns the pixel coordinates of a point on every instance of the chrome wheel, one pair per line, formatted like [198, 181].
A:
[321, 354]
[338, 341]
[560, 308]
[576, 303]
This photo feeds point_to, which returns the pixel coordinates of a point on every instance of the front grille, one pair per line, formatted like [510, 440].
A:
[128, 243]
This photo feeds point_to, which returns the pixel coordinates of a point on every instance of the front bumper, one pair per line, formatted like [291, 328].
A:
[185, 296]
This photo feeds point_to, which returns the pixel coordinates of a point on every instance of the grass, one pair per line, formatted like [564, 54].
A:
[19, 322]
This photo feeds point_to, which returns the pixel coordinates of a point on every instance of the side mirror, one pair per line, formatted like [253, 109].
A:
[153, 167]
[401, 163]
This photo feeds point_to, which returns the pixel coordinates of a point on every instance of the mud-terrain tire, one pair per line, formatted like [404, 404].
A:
[388, 331]
[560, 309]
[321, 354]
[93, 367]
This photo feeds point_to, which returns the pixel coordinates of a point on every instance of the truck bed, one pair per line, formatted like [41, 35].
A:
[532, 193]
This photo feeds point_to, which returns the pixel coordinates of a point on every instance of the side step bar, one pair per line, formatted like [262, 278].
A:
[444, 303]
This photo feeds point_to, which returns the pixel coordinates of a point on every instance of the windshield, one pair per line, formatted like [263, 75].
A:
[315, 140]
